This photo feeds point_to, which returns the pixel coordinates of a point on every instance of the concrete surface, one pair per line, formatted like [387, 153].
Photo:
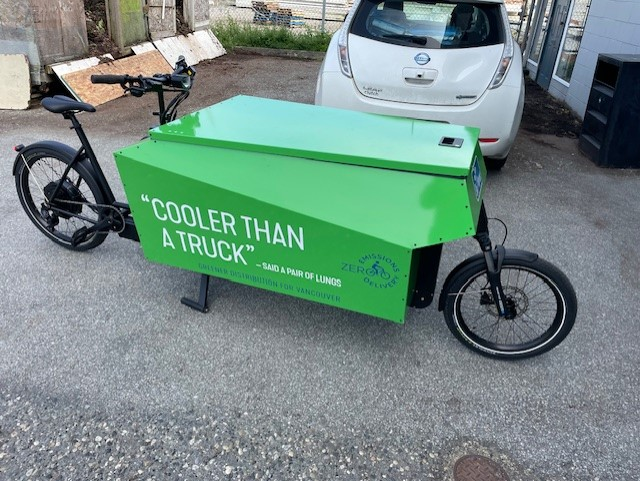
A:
[105, 375]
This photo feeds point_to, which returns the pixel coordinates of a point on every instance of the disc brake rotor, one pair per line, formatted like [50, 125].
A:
[516, 299]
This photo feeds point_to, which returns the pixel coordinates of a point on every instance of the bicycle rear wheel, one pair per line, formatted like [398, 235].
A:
[541, 299]
[76, 205]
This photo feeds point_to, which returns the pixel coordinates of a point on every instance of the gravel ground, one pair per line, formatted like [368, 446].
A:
[105, 375]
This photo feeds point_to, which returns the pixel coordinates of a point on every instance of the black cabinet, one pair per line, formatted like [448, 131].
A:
[610, 134]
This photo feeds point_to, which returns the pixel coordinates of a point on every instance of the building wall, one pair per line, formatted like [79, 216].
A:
[47, 31]
[558, 89]
[17, 35]
[613, 26]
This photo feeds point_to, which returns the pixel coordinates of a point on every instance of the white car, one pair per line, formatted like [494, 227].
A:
[445, 61]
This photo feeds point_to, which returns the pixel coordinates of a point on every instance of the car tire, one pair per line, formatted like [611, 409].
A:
[494, 164]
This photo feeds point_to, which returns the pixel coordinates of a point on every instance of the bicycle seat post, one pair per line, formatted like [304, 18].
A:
[88, 150]
[77, 126]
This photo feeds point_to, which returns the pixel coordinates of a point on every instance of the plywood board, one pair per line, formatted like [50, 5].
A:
[16, 82]
[64, 68]
[146, 64]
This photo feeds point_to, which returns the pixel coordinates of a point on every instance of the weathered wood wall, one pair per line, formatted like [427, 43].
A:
[161, 15]
[45, 30]
[17, 35]
[126, 21]
[196, 14]
[60, 28]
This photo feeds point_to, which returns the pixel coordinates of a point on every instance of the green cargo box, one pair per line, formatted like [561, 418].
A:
[340, 207]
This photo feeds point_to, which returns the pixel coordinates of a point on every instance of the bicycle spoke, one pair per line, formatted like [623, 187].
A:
[74, 207]
[535, 307]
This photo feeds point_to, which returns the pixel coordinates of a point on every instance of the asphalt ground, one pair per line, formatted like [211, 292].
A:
[105, 375]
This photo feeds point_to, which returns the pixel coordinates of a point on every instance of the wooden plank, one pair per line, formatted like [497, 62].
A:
[209, 44]
[190, 53]
[171, 49]
[127, 22]
[196, 14]
[16, 82]
[61, 29]
[64, 68]
[197, 46]
[146, 64]
[143, 47]
[161, 18]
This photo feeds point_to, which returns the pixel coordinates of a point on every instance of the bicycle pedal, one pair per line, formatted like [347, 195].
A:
[79, 236]
[51, 219]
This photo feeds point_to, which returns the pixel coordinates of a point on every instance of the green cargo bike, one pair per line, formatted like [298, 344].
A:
[343, 208]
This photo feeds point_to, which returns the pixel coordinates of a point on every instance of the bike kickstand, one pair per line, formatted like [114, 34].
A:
[201, 303]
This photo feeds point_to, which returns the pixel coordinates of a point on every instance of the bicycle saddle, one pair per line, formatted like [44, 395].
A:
[59, 104]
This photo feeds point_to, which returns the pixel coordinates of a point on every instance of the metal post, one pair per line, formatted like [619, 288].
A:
[324, 14]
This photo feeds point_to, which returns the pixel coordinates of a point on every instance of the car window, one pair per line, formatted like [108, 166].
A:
[430, 23]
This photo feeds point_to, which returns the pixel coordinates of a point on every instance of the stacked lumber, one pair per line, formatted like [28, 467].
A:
[267, 13]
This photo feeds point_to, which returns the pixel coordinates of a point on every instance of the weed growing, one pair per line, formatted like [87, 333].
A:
[234, 34]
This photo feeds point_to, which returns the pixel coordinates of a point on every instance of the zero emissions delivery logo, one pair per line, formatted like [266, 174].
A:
[377, 270]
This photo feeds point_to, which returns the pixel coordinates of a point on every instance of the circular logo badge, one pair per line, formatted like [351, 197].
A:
[422, 58]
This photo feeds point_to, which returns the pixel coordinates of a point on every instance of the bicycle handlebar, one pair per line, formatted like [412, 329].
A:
[109, 79]
[181, 78]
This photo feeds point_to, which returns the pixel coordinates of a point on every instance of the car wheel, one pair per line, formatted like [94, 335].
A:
[494, 164]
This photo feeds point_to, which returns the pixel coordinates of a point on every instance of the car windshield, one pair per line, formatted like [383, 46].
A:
[430, 23]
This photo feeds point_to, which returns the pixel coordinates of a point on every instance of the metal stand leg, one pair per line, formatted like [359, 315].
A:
[201, 303]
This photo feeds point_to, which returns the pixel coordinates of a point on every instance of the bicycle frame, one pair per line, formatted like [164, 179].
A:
[126, 228]
[122, 223]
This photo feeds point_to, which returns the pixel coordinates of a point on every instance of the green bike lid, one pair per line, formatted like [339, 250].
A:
[328, 134]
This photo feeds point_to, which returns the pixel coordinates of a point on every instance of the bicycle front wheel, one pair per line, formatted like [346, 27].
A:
[76, 205]
[540, 298]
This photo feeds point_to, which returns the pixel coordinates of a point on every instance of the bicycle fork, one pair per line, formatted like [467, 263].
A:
[494, 257]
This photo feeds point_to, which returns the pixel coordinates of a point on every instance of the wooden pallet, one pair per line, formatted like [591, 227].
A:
[273, 14]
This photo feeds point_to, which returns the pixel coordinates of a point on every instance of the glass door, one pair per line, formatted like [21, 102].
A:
[571, 43]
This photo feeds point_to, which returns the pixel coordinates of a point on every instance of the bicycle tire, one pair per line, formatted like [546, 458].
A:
[539, 325]
[39, 170]
[494, 164]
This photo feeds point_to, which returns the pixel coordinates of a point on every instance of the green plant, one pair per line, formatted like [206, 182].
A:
[233, 34]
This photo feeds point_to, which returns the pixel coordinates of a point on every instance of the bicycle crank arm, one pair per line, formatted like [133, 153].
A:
[83, 233]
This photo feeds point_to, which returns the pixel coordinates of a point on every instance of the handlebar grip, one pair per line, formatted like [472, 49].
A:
[109, 79]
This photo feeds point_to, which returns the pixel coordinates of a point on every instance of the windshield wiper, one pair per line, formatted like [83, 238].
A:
[410, 38]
